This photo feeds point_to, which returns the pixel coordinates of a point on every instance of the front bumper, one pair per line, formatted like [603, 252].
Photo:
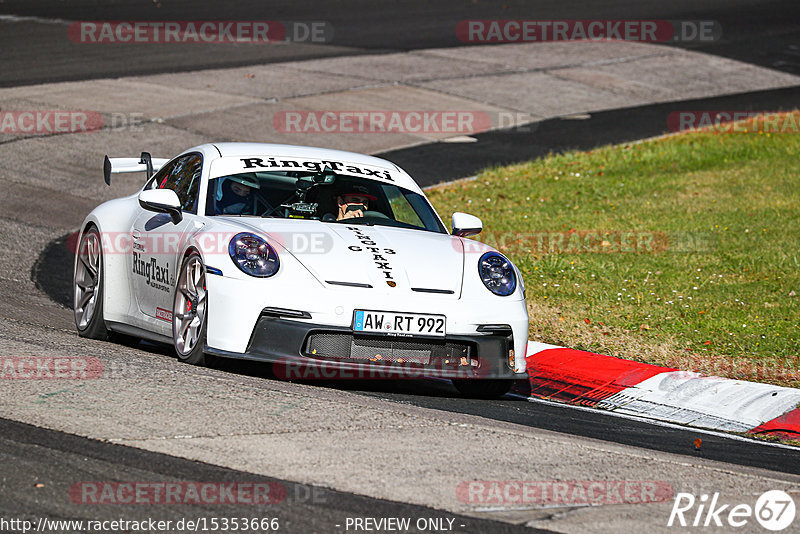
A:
[302, 349]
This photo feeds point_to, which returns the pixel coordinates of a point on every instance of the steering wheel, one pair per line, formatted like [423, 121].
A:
[375, 214]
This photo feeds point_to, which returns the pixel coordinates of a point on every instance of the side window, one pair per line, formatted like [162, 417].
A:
[402, 210]
[161, 176]
[183, 177]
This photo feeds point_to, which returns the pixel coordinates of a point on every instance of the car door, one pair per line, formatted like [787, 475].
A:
[157, 240]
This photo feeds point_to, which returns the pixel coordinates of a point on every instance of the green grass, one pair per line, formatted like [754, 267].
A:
[708, 282]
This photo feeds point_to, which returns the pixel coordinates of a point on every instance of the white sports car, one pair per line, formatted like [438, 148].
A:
[304, 257]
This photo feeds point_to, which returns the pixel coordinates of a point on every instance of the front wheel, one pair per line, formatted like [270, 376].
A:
[189, 312]
[483, 389]
[88, 287]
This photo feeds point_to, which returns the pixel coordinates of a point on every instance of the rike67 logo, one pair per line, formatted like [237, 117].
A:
[774, 510]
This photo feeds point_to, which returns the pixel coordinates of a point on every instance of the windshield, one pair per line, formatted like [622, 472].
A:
[330, 197]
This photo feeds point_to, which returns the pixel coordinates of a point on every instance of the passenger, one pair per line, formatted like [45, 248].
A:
[239, 196]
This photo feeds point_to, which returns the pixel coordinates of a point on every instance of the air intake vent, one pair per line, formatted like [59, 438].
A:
[347, 284]
[348, 347]
[427, 290]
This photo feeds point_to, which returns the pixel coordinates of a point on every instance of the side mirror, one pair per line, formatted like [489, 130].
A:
[465, 225]
[162, 201]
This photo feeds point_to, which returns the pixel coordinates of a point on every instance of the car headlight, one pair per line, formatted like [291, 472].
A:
[497, 274]
[253, 255]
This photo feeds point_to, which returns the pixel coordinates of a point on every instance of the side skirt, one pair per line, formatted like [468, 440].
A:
[123, 328]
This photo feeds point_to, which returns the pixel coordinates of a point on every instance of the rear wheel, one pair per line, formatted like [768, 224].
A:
[189, 312]
[483, 389]
[88, 287]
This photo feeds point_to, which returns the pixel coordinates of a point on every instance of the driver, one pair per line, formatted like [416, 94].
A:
[353, 201]
[238, 195]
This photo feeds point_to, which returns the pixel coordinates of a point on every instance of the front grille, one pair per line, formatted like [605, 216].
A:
[386, 349]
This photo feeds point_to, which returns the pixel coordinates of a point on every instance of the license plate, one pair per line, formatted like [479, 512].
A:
[399, 324]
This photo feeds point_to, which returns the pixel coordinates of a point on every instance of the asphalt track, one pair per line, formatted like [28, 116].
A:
[48, 463]
[438, 162]
[764, 33]
[517, 408]
[592, 423]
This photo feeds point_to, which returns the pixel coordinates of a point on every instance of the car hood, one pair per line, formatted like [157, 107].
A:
[388, 259]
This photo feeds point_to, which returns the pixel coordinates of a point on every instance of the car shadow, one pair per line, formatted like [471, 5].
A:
[52, 271]
[394, 388]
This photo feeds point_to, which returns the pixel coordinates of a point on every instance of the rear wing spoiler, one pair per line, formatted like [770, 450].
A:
[144, 163]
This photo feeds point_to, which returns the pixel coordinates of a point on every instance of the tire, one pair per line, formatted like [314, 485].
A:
[87, 287]
[189, 312]
[483, 389]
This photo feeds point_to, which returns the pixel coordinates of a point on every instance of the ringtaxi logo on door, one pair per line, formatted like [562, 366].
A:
[774, 510]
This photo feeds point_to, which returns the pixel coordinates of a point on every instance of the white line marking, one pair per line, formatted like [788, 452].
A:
[40, 20]
[656, 422]
[533, 508]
